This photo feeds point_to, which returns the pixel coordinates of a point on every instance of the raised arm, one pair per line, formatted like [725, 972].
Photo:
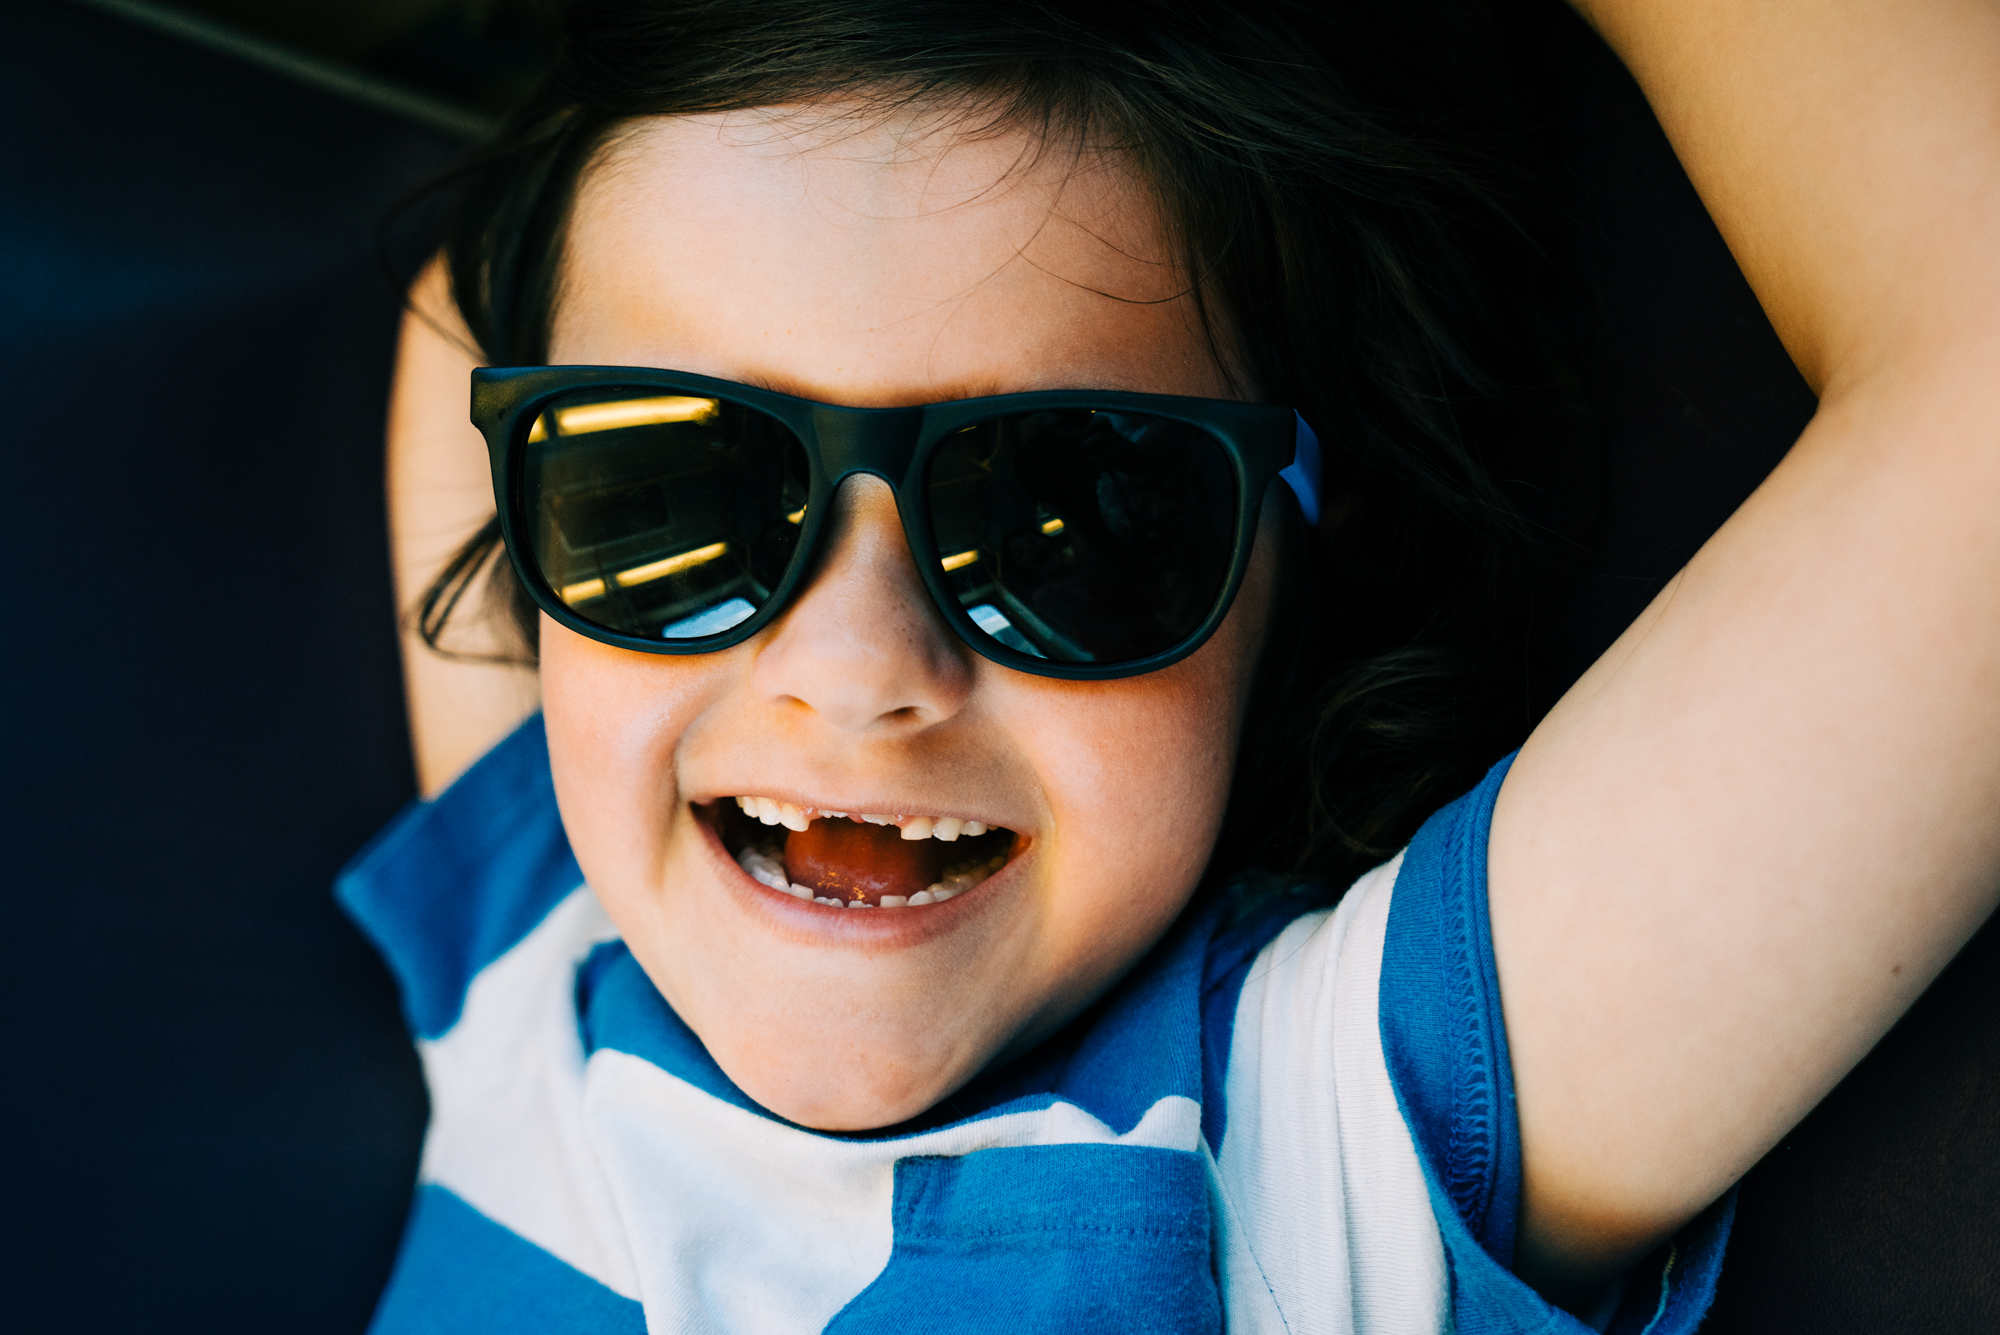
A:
[1740, 847]
[440, 492]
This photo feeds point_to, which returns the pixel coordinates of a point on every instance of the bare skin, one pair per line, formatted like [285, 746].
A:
[1721, 868]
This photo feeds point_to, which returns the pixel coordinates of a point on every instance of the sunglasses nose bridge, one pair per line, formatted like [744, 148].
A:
[866, 440]
[880, 441]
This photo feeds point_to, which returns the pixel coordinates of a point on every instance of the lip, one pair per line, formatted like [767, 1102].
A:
[874, 929]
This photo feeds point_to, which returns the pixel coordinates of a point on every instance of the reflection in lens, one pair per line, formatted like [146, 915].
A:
[711, 622]
[612, 414]
[1081, 536]
[995, 623]
[662, 516]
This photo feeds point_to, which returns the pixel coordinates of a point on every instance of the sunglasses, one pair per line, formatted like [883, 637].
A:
[1067, 533]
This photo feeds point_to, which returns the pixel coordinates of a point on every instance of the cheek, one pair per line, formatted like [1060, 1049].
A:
[1134, 769]
[1149, 759]
[615, 722]
[1138, 778]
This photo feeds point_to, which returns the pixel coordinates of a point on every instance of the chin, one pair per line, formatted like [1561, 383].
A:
[865, 1083]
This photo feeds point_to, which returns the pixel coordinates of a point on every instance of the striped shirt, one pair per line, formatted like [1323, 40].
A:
[1288, 1121]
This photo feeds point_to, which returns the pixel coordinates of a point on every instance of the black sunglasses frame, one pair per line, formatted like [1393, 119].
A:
[894, 444]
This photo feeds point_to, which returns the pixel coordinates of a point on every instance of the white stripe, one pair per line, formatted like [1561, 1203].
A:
[507, 1128]
[1325, 1222]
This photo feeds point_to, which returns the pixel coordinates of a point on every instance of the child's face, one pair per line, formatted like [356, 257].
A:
[882, 265]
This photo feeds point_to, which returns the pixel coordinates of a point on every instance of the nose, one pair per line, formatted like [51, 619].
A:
[862, 647]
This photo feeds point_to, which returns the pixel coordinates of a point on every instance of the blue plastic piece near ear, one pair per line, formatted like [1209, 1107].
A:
[1303, 472]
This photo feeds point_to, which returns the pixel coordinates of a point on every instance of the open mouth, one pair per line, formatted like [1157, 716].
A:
[859, 860]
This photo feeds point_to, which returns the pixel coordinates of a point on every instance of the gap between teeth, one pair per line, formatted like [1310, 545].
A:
[770, 871]
[947, 828]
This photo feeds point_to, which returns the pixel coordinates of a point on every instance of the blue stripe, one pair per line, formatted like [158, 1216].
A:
[1043, 1239]
[460, 1273]
[1441, 1022]
[454, 883]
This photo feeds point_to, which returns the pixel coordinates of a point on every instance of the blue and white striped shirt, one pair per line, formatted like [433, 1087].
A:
[1300, 1122]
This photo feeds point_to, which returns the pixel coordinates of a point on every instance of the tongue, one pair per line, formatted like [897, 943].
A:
[844, 859]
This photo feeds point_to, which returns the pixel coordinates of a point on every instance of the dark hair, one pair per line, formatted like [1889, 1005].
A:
[1351, 192]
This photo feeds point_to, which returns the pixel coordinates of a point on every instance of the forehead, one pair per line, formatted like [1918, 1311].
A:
[871, 260]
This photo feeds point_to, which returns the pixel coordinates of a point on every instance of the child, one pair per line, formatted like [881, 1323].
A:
[986, 481]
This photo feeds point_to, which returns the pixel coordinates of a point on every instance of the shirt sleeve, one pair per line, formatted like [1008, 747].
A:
[1445, 1043]
[451, 884]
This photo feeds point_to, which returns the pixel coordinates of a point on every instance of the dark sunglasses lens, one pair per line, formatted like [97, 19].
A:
[1084, 536]
[661, 516]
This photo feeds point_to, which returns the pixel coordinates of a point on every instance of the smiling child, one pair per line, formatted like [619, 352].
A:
[961, 466]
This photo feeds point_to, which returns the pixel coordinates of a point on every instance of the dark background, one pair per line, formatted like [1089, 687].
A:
[211, 1111]
[482, 54]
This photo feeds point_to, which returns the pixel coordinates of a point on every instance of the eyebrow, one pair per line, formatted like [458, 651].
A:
[946, 393]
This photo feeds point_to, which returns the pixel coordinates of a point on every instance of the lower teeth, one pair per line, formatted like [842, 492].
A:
[767, 868]
[770, 871]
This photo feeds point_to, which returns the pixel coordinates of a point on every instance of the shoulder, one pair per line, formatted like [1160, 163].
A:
[1443, 1039]
[454, 883]
[1371, 1116]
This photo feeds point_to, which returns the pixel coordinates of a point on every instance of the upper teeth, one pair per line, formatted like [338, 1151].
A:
[913, 827]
